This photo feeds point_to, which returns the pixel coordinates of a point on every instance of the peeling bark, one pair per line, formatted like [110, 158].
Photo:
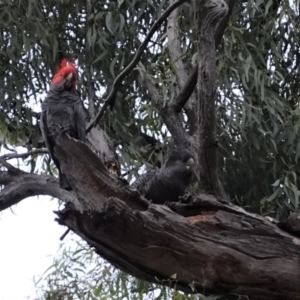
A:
[217, 247]
[99, 141]
[205, 246]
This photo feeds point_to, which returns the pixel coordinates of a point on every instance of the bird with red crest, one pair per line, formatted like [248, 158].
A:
[62, 111]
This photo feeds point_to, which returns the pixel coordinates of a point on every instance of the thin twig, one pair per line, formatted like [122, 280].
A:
[110, 98]
[9, 167]
[24, 155]
[65, 234]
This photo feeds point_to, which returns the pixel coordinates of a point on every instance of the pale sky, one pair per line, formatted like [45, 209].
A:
[29, 238]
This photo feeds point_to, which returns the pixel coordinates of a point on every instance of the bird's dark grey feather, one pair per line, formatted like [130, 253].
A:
[62, 111]
[168, 183]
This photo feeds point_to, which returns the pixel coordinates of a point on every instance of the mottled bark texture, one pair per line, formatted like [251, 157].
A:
[214, 247]
[208, 14]
[206, 246]
[103, 146]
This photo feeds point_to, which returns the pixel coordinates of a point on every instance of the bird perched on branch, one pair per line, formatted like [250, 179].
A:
[168, 183]
[62, 111]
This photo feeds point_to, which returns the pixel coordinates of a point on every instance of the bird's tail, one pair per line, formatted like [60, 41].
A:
[63, 182]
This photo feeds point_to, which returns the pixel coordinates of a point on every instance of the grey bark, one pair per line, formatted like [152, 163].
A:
[206, 246]
[176, 54]
[167, 111]
[216, 247]
[208, 14]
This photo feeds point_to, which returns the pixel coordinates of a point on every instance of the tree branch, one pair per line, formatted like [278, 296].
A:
[9, 167]
[24, 155]
[167, 113]
[222, 25]
[19, 186]
[110, 98]
[174, 47]
[94, 175]
[190, 83]
[208, 16]
[202, 245]
[186, 90]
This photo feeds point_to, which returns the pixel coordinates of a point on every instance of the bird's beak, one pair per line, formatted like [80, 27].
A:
[190, 162]
[69, 81]
[69, 77]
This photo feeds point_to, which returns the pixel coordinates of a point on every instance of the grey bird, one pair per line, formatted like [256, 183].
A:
[168, 183]
[62, 111]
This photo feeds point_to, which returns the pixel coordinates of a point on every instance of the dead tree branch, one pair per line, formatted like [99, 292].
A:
[186, 92]
[209, 246]
[222, 25]
[174, 46]
[20, 185]
[214, 247]
[9, 167]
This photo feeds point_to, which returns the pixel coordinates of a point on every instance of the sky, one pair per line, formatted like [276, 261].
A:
[29, 238]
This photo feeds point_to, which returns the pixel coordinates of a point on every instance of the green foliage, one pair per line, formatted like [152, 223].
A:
[78, 273]
[258, 105]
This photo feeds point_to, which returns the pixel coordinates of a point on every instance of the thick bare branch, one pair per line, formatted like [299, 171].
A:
[222, 25]
[19, 186]
[186, 92]
[211, 246]
[176, 54]
[9, 167]
[111, 97]
[191, 81]
[99, 141]
[93, 175]
[167, 112]
[174, 46]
